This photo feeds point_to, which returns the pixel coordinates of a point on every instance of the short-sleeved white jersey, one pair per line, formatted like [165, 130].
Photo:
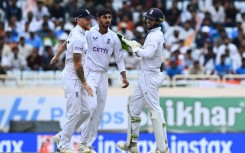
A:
[76, 43]
[152, 50]
[101, 48]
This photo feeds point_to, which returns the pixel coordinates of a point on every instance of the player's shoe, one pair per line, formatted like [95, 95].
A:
[65, 150]
[92, 150]
[158, 151]
[83, 148]
[131, 148]
[57, 138]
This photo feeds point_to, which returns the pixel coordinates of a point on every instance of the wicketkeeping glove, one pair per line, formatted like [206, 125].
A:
[134, 45]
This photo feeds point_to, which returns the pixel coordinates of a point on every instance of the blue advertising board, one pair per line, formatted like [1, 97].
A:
[106, 142]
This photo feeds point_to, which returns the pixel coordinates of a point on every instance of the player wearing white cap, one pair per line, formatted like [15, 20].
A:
[74, 82]
[146, 92]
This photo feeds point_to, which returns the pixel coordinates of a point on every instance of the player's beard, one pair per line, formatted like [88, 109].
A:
[106, 25]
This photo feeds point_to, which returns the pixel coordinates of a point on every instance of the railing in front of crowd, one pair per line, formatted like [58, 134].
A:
[52, 78]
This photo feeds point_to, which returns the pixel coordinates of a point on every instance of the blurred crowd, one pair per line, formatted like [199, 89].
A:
[201, 36]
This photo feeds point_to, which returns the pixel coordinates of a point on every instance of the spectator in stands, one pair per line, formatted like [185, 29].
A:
[13, 10]
[204, 5]
[40, 10]
[241, 69]
[233, 53]
[138, 33]
[222, 68]
[56, 10]
[209, 60]
[30, 20]
[10, 38]
[203, 36]
[230, 14]
[24, 49]
[43, 32]
[217, 12]
[174, 68]
[174, 36]
[196, 68]
[35, 61]
[125, 19]
[125, 11]
[188, 59]
[132, 62]
[5, 52]
[125, 32]
[34, 40]
[189, 34]
[17, 61]
[108, 5]
[173, 14]
[48, 55]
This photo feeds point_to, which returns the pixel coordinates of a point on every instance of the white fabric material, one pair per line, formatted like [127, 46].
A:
[133, 125]
[152, 51]
[101, 48]
[98, 81]
[76, 43]
[77, 110]
[159, 130]
[146, 92]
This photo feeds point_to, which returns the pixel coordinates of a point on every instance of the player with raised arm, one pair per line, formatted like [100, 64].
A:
[103, 44]
[146, 92]
[74, 82]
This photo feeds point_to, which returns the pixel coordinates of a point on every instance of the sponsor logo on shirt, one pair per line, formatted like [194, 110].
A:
[99, 49]
[78, 48]
[95, 38]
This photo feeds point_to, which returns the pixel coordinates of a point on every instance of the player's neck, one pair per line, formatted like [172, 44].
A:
[103, 30]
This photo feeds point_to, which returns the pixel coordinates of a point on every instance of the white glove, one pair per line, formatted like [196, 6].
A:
[134, 45]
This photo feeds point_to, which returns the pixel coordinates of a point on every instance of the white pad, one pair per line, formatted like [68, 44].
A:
[132, 137]
[158, 128]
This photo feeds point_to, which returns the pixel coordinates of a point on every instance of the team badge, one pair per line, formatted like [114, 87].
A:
[108, 41]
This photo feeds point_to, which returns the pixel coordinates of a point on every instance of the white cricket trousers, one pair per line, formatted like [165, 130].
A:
[98, 81]
[77, 110]
[146, 94]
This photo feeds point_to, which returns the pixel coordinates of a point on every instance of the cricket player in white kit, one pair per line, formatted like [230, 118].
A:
[146, 92]
[74, 82]
[103, 44]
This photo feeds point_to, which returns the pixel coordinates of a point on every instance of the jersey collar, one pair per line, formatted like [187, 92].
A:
[80, 29]
[155, 29]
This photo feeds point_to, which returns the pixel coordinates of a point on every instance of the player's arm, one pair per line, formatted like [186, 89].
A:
[149, 50]
[77, 58]
[60, 50]
[118, 53]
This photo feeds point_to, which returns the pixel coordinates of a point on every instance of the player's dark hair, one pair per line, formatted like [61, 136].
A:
[103, 12]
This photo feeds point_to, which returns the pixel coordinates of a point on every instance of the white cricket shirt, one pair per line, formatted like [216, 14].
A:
[76, 43]
[152, 51]
[101, 48]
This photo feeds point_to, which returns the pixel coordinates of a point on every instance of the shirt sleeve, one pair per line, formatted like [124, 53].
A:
[149, 50]
[118, 53]
[77, 46]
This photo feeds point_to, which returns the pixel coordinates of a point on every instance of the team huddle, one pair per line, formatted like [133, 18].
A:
[85, 81]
